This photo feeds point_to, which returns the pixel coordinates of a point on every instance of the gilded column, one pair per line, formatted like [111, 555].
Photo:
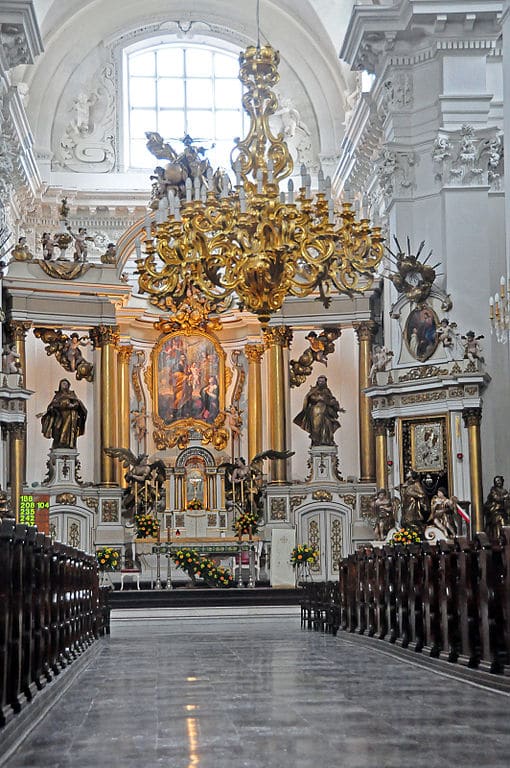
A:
[381, 453]
[17, 330]
[365, 332]
[16, 463]
[254, 354]
[276, 340]
[105, 338]
[472, 420]
[124, 353]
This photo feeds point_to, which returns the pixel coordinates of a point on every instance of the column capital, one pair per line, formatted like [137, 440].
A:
[279, 336]
[379, 427]
[254, 352]
[18, 329]
[16, 429]
[102, 335]
[365, 330]
[472, 417]
[125, 352]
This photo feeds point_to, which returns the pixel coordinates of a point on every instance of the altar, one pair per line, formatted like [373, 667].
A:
[226, 552]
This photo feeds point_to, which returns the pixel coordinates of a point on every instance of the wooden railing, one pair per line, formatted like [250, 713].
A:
[51, 609]
[450, 600]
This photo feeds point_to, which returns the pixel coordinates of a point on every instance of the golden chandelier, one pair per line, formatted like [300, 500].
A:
[251, 243]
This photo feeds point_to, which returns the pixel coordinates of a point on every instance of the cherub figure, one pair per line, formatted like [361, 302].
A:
[20, 251]
[73, 352]
[110, 255]
[447, 336]
[12, 360]
[139, 423]
[472, 347]
[80, 243]
[48, 246]
[380, 359]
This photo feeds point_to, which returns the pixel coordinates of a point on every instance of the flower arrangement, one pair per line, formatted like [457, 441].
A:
[303, 554]
[246, 522]
[405, 536]
[194, 565]
[108, 559]
[146, 526]
[194, 504]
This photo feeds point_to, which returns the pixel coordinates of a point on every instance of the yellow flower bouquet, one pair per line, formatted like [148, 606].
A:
[108, 559]
[405, 536]
[146, 526]
[303, 554]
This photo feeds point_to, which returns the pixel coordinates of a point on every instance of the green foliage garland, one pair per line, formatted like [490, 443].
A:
[194, 565]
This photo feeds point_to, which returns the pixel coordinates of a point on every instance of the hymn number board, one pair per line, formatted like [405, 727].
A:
[34, 509]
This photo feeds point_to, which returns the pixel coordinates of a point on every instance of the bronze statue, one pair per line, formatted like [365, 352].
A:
[414, 500]
[497, 508]
[442, 515]
[65, 417]
[319, 414]
[383, 512]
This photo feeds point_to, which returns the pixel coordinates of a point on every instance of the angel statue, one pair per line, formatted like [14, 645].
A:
[145, 480]
[67, 351]
[243, 482]
[380, 359]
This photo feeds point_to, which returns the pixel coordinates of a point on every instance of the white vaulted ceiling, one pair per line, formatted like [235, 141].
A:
[80, 34]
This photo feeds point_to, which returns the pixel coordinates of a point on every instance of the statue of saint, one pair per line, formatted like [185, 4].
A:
[383, 513]
[497, 508]
[414, 500]
[319, 414]
[65, 417]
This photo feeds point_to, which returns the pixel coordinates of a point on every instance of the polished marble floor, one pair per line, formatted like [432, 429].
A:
[247, 690]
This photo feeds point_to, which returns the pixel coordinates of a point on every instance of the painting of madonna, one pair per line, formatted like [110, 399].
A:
[188, 379]
[421, 332]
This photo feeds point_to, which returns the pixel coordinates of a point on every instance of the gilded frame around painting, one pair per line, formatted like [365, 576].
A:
[188, 373]
[429, 445]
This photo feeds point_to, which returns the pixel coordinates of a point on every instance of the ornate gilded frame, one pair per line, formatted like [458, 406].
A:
[425, 445]
[176, 428]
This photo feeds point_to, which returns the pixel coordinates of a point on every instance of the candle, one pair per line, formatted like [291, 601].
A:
[136, 495]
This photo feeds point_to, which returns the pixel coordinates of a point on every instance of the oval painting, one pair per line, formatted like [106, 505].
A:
[421, 332]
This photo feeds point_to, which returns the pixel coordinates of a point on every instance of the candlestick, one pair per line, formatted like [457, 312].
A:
[168, 534]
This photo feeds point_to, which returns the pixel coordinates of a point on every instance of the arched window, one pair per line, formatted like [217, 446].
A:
[177, 89]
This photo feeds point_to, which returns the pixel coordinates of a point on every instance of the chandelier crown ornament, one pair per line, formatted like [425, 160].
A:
[250, 243]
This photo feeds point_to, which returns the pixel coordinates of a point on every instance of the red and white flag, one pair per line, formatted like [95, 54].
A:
[462, 512]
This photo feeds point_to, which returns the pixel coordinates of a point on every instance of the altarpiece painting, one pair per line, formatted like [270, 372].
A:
[189, 380]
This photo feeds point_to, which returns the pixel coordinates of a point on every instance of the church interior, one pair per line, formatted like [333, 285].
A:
[255, 311]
